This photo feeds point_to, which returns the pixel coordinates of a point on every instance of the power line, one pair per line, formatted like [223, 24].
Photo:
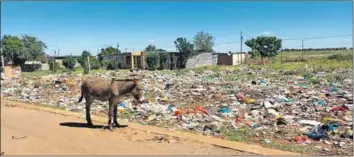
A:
[309, 38]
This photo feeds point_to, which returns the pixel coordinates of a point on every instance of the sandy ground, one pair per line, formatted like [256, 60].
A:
[34, 132]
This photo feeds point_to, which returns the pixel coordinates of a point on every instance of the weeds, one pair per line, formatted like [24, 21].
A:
[340, 57]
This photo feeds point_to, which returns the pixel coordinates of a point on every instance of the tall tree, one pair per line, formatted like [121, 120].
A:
[20, 50]
[34, 47]
[265, 46]
[150, 48]
[186, 50]
[108, 51]
[203, 42]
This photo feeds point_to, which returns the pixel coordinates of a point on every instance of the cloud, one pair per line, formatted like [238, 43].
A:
[151, 41]
[266, 33]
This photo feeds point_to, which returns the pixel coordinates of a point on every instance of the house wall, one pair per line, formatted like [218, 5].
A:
[123, 61]
[225, 59]
[203, 59]
[238, 59]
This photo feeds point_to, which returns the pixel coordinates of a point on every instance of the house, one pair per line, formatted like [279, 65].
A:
[231, 58]
[128, 60]
[59, 59]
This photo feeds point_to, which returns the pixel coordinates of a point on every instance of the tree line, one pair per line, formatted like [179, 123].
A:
[316, 49]
[18, 50]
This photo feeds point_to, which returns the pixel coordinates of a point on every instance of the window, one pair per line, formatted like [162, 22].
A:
[128, 60]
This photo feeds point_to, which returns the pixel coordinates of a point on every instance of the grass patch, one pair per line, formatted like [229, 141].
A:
[341, 57]
[36, 73]
[248, 136]
[293, 148]
[48, 72]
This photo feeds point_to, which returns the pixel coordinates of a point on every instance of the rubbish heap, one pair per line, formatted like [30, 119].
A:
[313, 110]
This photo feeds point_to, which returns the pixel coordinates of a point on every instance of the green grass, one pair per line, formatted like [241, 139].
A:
[248, 136]
[294, 148]
[48, 72]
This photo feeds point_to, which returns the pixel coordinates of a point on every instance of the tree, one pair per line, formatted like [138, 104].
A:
[150, 48]
[163, 60]
[81, 59]
[20, 50]
[94, 63]
[34, 47]
[161, 50]
[251, 43]
[265, 46]
[203, 42]
[108, 51]
[12, 46]
[186, 49]
[69, 62]
[152, 60]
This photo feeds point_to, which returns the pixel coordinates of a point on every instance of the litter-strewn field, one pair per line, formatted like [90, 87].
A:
[306, 110]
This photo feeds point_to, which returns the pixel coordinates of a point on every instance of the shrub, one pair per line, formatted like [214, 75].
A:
[341, 57]
[69, 62]
[152, 60]
[163, 60]
[173, 62]
[94, 63]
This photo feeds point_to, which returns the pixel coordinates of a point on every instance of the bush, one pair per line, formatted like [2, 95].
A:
[69, 62]
[173, 62]
[106, 63]
[94, 63]
[163, 60]
[295, 59]
[341, 57]
[152, 60]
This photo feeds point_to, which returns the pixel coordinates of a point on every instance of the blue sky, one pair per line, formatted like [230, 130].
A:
[76, 26]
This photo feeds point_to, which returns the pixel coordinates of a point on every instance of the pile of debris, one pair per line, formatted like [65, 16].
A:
[313, 110]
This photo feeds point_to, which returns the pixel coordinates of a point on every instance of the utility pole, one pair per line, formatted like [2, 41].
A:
[88, 62]
[281, 58]
[241, 41]
[54, 61]
[117, 46]
[302, 51]
[241, 45]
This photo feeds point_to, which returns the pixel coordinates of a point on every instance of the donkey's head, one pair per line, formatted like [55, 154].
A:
[137, 91]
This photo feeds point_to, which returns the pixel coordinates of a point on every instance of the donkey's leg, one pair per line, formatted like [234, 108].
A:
[89, 101]
[116, 101]
[110, 114]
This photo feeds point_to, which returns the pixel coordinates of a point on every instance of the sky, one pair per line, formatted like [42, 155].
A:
[76, 26]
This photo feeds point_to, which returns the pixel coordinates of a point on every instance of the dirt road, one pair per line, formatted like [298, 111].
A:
[34, 132]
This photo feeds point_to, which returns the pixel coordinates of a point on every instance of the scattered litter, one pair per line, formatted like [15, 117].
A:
[284, 105]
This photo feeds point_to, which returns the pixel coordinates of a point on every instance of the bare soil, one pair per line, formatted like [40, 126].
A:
[34, 132]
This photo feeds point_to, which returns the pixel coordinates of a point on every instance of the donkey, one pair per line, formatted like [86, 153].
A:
[94, 88]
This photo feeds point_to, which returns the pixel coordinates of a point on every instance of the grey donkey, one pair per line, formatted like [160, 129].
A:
[94, 88]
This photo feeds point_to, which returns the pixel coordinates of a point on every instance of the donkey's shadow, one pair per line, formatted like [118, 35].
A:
[85, 125]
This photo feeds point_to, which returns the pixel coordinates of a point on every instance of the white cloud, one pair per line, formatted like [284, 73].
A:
[266, 33]
[151, 41]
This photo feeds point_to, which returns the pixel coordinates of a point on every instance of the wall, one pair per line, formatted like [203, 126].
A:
[238, 59]
[203, 59]
[224, 59]
[123, 62]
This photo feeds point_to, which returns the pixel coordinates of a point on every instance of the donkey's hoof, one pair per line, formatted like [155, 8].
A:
[110, 128]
